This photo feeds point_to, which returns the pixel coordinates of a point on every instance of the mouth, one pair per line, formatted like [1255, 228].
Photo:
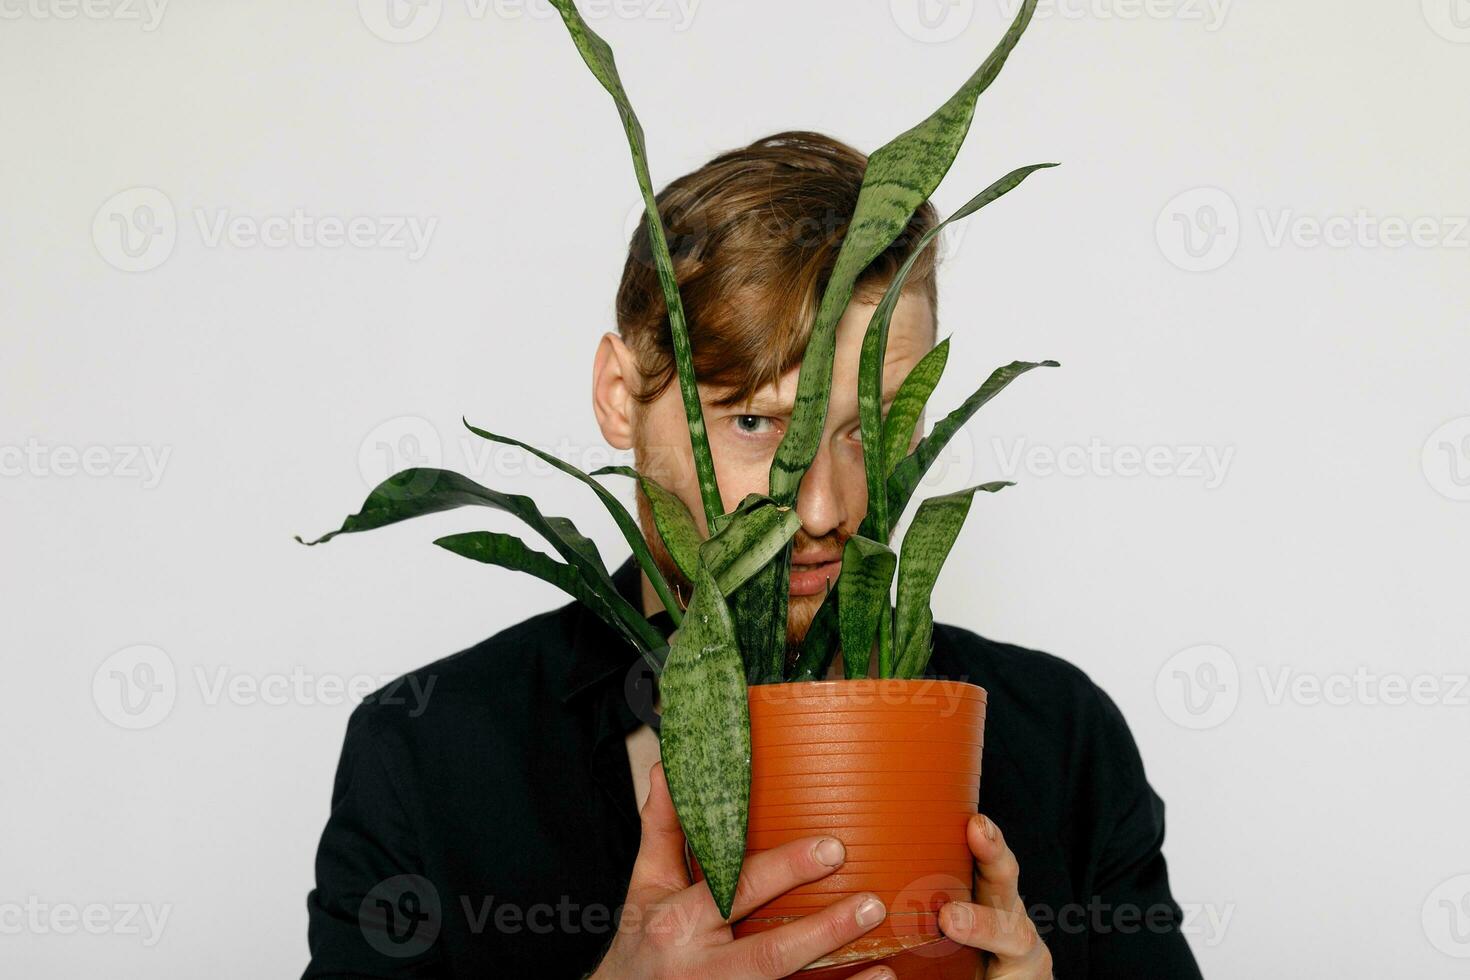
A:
[812, 575]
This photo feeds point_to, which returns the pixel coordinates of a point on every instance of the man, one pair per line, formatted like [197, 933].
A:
[519, 825]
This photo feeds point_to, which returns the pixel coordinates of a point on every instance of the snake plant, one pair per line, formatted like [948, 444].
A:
[733, 632]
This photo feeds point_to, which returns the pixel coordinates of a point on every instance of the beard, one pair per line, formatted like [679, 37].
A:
[800, 609]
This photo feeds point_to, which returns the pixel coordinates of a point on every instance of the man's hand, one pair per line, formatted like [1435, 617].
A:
[996, 922]
[672, 929]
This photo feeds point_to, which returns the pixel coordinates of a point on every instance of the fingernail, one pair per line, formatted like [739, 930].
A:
[960, 916]
[986, 827]
[829, 851]
[870, 913]
[885, 974]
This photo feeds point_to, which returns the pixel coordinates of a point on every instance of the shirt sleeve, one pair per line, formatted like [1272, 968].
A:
[373, 912]
[1136, 928]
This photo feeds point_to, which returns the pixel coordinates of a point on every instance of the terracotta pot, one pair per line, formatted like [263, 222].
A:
[892, 769]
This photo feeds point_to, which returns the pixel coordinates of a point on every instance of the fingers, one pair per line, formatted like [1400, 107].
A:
[1007, 934]
[998, 882]
[782, 951]
[660, 863]
[768, 874]
[876, 973]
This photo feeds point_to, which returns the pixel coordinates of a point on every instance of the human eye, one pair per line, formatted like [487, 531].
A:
[754, 425]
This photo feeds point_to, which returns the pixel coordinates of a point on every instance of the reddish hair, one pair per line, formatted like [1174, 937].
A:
[754, 234]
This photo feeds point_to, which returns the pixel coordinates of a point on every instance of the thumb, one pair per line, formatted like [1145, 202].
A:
[660, 863]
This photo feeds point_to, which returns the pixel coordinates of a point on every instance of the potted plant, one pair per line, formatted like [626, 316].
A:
[756, 750]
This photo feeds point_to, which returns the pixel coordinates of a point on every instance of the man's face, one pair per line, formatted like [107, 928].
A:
[833, 496]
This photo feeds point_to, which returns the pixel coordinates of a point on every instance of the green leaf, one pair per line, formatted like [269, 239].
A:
[927, 544]
[673, 521]
[599, 58]
[875, 346]
[508, 551]
[419, 491]
[705, 738]
[915, 655]
[761, 613]
[820, 643]
[911, 469]
[625, 521]
[908, 405]
[863, 603]
[750, 535]
[900, 176]
[751, 539]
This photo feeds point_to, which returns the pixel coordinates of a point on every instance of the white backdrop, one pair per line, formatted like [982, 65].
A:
[254, 254]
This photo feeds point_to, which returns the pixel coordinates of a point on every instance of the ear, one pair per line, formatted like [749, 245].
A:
[614, 375]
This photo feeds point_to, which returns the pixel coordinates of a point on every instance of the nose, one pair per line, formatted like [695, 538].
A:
[820, 500]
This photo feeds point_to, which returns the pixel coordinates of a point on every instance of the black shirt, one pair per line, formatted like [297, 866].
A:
[483, 821]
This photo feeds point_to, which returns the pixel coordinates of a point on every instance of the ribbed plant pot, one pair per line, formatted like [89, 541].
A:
[892, 769]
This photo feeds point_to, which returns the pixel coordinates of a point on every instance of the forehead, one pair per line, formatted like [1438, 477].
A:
[911, 334]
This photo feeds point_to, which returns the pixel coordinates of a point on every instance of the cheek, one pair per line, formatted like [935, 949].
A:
[740, 475]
